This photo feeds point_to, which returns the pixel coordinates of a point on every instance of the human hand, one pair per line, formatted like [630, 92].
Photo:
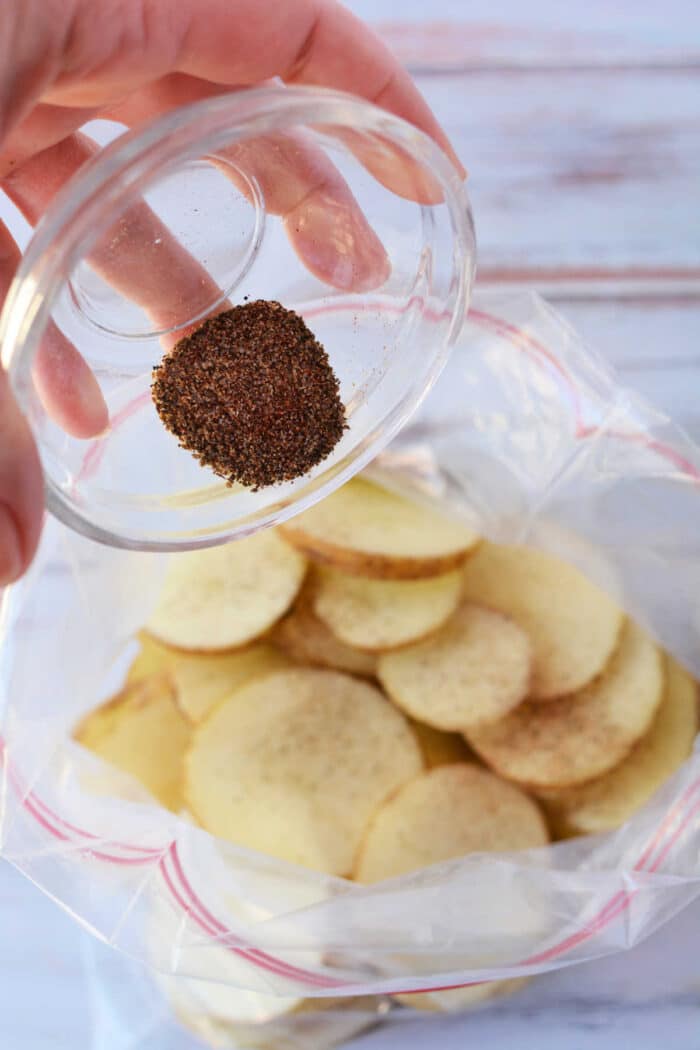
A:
[64, 62]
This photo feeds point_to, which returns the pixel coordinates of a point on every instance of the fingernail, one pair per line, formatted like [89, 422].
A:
[11, 558]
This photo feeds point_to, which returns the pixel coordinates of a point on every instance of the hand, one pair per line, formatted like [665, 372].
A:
[64, 62]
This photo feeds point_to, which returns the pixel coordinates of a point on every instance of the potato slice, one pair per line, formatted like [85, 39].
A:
[152, 658]
[440, 749]
[224, 597]
[474, 671]
[364, 530]
[306, 640]
[201, 680]
[383, 614]
[606, 803]
[444, 814]
[295, 763]
[584, 735]
[454, 999]
[441, 815]
[574, 627]
[142, 732]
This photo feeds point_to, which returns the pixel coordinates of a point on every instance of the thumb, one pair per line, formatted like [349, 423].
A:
[21, 489]
[21, 483]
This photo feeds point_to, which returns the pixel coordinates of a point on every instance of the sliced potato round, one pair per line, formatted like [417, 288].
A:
[142, 732]
[224, 597]
[383, 614]
[201, 680]
[606, 803]
[473, 671]
[152, 658]
[584, 735]
[440, 749]
[295, 763]
[574, 627]
[455, 999]
[364, 530]
[444, 814]
[306, 640]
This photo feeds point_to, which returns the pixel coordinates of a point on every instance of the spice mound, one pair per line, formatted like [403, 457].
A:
[251, 393]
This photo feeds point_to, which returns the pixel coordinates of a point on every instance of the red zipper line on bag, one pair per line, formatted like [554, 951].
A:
[616, 905]
[62, 829]
[194, 907]
[210, 924]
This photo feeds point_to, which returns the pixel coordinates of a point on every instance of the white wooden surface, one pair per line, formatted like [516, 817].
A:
[580, 125]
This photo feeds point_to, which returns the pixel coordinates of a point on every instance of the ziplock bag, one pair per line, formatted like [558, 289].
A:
[526, 434]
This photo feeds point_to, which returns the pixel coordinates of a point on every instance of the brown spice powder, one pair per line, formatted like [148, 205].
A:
[252, 394]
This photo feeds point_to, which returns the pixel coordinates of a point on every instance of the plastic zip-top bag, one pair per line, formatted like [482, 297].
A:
[526, 436]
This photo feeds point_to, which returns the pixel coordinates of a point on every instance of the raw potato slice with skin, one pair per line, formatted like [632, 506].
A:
[442, 815]
[376, 615]
[474, 671]
[573, 626]
[224, 597]
[445, 814]
[440, 749]
[201, 680]
[142, 732]
[364, 530]
[454, 999]
[585, 735]
[606, 803]
[152, 658]
[305, 639]
[295, 764]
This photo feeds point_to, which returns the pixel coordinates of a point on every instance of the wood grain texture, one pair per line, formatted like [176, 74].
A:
[454, 34]
[580, 126]
[580, 180]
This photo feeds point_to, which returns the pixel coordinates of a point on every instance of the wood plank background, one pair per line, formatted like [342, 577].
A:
[580, 127]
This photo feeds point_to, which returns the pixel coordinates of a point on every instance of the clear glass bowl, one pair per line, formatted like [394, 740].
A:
[323, 202]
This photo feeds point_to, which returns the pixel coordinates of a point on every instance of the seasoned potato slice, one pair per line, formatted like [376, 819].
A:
[447, 813]
[201, 680]
[473, 671]
[295, 763]
[573, 626]
[364, 530]
[584, 735]
[142, 732]
[306, 640]
[224, 597]
[383, 614]
[606, 803]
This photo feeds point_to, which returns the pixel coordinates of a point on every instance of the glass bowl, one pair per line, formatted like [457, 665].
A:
[318, 200]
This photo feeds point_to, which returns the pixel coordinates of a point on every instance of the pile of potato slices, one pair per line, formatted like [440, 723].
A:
[372, 689]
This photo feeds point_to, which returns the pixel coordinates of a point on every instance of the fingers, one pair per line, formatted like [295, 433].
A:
[67, 388]
[45, 126]
[138, 256]
[21, 484]
[322, 219]
[340, 51]
[89, 53]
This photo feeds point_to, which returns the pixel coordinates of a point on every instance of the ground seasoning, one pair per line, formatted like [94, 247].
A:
[252, 394]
